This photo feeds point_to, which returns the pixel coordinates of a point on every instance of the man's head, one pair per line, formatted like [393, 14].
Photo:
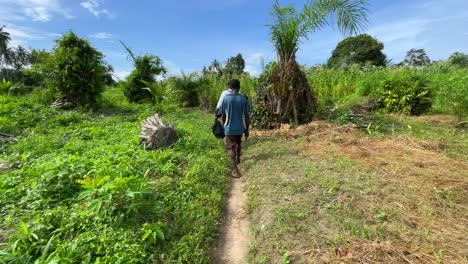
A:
[234, 85]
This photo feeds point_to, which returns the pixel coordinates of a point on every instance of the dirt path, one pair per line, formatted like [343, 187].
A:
[233, 244]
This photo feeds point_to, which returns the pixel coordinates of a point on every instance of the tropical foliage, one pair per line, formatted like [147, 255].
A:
[80, 188]
[405, 94]
[77, 71]
[290, 94]
[458, 59]
[146, 68]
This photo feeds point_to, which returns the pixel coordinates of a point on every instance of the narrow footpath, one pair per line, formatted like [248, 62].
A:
[233, 244]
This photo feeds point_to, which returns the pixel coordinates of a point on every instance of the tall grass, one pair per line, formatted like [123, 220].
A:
[195, 90]
[448, 85]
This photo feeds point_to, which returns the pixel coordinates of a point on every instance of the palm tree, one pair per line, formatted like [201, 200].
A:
[288, 89]
[4, 39]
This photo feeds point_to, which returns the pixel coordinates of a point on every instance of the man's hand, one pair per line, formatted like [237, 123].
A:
[247, 134]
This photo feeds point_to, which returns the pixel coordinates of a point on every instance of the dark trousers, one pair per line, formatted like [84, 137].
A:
[233, 145]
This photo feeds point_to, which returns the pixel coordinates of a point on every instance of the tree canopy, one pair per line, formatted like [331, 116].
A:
[458, 59]
[235, 65]
[416, 58]
[361, 49]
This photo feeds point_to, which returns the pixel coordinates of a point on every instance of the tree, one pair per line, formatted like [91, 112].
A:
[78, 70]
[108, 71]
[216, 68]
[458, 59]
[20, 59]
[291, 96]
[38, 56]
[416, 58]
[235, 65]
[362, 49]
[146, 68]
[4, 39]
[42, 68]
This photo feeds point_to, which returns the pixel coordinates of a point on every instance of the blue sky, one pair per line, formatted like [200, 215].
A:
[188, 34]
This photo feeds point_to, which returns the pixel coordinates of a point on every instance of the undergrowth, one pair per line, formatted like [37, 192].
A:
[79, 188]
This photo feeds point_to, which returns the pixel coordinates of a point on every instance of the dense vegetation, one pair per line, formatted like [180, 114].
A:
[447, 86]
[78, 187]
[75, 183]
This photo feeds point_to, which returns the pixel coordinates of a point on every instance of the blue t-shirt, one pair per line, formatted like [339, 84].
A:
[235, 106]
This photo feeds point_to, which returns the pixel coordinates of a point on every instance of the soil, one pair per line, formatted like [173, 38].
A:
[233, 244]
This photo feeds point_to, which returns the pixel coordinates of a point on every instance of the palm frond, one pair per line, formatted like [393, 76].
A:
[351, 15]
[289, 26]
[129, 51]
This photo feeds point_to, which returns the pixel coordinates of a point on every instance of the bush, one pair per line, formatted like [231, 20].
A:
[458, 59]
[78, 70]
[5, 86]
[187, 89]
[408, 94]
[146, 67]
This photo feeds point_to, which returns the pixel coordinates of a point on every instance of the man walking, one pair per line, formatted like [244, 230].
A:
[236, 110]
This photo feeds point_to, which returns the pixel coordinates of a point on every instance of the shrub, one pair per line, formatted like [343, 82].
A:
[5, 86]
[187, 88]
[408, 94]
[458, 59]
[146, 67]
[79, 70]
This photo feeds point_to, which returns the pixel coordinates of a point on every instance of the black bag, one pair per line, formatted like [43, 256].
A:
[218, 129]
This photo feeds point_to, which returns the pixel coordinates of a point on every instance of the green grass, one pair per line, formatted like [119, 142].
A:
[80, 187]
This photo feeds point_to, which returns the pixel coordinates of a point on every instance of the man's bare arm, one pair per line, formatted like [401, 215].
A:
[247, 125]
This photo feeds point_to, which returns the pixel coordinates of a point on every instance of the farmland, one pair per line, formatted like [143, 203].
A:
[358, 159]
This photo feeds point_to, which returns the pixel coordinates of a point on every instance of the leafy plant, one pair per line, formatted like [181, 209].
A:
[78, 70]
[146, 68]
[406, 94]
[158, 91]
[5, 86]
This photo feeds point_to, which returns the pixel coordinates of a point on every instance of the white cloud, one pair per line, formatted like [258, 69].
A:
[121, 74]
[172, 67]
[101, 35]
[22, 35]
[253, 63]
[37, 10]
[93, 6]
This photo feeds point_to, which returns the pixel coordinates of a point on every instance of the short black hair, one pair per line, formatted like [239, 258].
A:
[234, 84]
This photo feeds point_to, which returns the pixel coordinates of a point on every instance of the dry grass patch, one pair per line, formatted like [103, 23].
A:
[324, 193]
